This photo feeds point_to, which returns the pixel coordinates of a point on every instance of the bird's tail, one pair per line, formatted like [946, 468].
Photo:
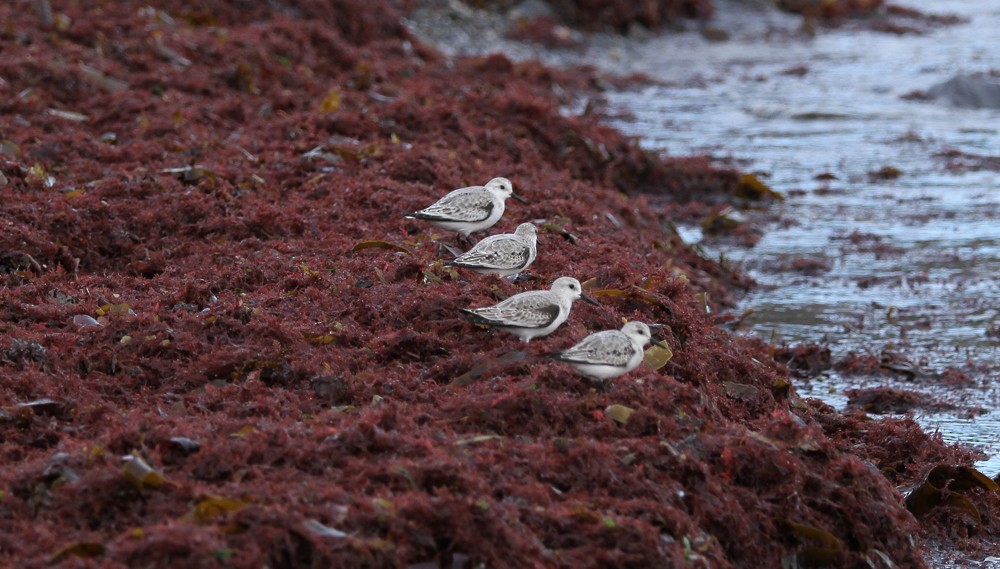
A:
[475, 317]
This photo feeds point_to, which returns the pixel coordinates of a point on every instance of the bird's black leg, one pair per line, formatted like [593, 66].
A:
[520, 277]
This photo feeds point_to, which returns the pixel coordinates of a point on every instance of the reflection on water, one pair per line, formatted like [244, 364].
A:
[912, 261]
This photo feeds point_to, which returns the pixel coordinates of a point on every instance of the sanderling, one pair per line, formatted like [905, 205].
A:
[533, 313]
[506, 254]
[608, 354]
[466, 210]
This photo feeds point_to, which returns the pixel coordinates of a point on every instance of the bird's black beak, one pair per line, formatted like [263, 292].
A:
[661, 344]
[590, 300]
[518, 198]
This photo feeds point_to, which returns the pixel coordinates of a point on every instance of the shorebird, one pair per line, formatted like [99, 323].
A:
[467, 210]
[605, 355]
[534, 313]
[506, 254]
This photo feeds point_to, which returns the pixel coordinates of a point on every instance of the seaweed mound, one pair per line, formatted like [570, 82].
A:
[222, 345]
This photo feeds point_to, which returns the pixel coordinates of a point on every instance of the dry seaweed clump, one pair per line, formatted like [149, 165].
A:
[222, 345]
[618, 15]
[613, 15]
[831, 9]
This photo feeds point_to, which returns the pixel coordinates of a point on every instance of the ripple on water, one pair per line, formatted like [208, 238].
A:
[912, 260]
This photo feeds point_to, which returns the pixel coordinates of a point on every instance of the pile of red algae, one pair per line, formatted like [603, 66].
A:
[222, 344]
[831, 9]
[614, 15]
[620, 14]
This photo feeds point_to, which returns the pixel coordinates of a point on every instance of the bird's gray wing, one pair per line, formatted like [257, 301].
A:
[607, 348]
[467, 204]
[504, 252]
[526, 310]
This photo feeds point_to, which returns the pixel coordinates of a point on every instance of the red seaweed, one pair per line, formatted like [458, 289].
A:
[182, 286]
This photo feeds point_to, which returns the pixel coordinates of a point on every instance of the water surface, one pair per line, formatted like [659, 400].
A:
[919, 274]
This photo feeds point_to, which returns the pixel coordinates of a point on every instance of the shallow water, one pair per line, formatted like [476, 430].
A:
[933, 291]
[745, 100]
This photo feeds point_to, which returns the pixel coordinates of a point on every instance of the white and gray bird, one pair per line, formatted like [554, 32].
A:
[471, 209]
[534, 313]
[505, 254]
[605, 355]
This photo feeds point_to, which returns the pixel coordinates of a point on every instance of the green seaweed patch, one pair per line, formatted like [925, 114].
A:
[38, 176]
[822, 547]
[331, 103]
[310, 272]
[619, 413]
[354, 152]
[320, 339]
[378, 244]
[242, 432]
[115, 310]
[558, 228]
[657, 356]
[634, 293]
[81, 549]
[749, 187]
[950, 487]
[781, 387]
[211, 507]
[140, 474]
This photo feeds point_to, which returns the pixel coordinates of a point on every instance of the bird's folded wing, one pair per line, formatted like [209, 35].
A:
[520, 312]
[471, 206]
[502, 254]
[604, 349]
